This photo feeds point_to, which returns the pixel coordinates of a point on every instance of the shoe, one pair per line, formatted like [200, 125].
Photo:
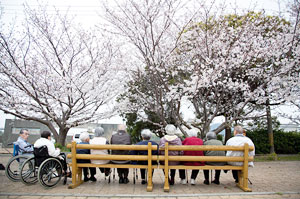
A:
[183, 181]
[69, 174]
[121, 180]
[216, 182]
[193, 182]
[236, 180]
[86, 179]
[206, 182]
[126, 180]
[143, 181]
[93, 179]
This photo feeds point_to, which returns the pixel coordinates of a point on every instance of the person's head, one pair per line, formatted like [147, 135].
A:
[122, 127]
[170, 129]
[238, 130]
[146, 134]
[24, 133]
[192, 132]
[99, 131]
[46, 134]
[84, 137]
[211, 136]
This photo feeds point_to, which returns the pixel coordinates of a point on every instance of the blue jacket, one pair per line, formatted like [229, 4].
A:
[83, 151]
[154, 152]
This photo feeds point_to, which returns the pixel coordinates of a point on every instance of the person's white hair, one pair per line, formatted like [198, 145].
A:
[146, 134]
[170, 129]
[99, 132]
[239, 129]
[84, 136]
[211, 136]
[193, 132]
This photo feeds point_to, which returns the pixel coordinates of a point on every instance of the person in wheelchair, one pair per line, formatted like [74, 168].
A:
[24, 147]
[85, 138]
[45, 140]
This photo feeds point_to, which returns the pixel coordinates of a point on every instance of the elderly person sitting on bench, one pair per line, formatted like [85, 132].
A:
[99, 139]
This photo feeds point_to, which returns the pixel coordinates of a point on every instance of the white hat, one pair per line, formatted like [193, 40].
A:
[170, 129]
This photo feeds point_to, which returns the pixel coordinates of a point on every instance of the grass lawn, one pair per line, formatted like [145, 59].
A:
[274, 157]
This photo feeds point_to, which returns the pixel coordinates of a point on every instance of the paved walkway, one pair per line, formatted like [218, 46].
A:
[270, 180]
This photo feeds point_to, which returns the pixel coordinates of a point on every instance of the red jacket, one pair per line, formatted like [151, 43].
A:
[193, 141]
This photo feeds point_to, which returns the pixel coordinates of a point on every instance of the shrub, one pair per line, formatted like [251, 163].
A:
[284, 142]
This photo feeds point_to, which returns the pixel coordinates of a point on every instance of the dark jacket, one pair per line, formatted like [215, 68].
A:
[122, 138]
[154, 152]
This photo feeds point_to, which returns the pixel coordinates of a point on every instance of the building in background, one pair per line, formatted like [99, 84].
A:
[13, 127]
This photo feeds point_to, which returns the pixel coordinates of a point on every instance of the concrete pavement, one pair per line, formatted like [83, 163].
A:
[269, 180]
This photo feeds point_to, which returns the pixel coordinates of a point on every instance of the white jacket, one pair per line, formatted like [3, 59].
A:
[100, 141]
[239, 140]
[51, 148]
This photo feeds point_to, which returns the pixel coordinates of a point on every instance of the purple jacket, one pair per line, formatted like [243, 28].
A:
[172, 140]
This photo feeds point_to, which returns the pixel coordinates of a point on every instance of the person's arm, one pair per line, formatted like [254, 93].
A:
[51, 149]
[24, 146]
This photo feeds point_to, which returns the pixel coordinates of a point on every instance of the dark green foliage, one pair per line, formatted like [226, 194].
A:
[285, 142]
[134, 127]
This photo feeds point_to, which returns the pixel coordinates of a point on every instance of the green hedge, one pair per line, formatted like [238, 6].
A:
[284, 142]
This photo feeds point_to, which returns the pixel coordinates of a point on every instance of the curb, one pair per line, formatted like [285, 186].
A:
[150, 196]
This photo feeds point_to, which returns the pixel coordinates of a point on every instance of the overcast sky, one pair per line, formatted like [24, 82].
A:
[86, 12]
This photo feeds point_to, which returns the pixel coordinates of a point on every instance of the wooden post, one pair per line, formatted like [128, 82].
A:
[243, 177]
[150, 185]
[166, 186]
[76, 174]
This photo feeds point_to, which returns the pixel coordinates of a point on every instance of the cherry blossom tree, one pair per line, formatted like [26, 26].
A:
[223, 65]
[56, 73]
[152, 30]
[236, 61]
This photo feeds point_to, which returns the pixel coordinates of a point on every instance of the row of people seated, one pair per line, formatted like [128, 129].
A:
[122, 137]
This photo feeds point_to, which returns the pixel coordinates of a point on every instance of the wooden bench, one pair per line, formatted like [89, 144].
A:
[77, 167]
[242, 170]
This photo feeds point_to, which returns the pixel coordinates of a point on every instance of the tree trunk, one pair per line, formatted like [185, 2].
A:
[270, 129]
[62, 136]
[227, 133]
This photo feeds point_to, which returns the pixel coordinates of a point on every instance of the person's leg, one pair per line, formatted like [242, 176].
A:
[217, 177]
[206, 176]
[173, 172]
[182, 173]
[143, 175]
[85, 174]
[235, 175]
[126, 172]
[194, 174]
[182, 176]
[93, 173]
[120, 174]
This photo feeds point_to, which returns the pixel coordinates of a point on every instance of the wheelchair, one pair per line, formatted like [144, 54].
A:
[44, 169]
[13, 167]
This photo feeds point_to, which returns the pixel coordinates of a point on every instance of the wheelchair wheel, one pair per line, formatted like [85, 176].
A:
[29, 172]
[13, 167]
[50, 172]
